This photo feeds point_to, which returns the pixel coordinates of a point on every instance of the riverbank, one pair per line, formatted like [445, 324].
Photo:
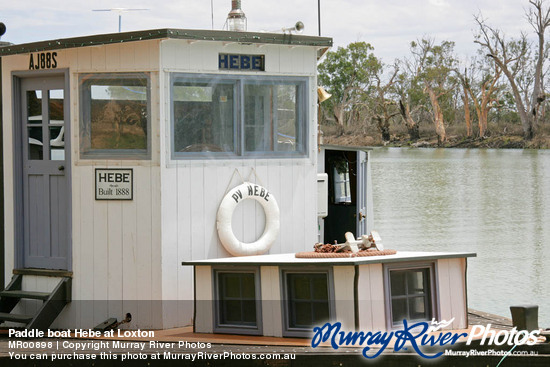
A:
[504, 137]
[498, 142]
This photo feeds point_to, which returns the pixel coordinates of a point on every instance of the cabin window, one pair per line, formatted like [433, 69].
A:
[342, 188]
[273, 117]
[204, 115]
[410, 294]
[307, 301]
[115, 116]
[228, 116]
[237, 305]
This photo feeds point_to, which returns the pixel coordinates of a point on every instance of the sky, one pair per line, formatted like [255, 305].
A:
[388, 25]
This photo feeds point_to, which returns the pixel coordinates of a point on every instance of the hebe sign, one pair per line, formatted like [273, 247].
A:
[114, 184]
[241, 62]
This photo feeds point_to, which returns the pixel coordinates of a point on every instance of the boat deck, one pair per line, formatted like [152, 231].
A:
[220, 344]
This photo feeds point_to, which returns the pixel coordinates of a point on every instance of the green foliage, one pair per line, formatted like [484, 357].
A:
[427, 86]
[347, 74]
[435, 63]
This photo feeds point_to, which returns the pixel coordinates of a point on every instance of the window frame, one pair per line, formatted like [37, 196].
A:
[240, 81]
[84, 90]
[346, 180]
[203, 78]
[230, 328]
[304, 332]
[433, 296]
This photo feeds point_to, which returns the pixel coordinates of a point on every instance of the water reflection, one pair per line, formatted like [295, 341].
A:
[492, 202]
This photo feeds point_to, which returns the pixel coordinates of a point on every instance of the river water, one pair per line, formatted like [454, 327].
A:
[495, 203]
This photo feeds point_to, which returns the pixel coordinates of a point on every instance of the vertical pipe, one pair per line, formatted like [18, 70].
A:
[119, 22]
[212, 12]
[356, 312]
[2, 246]
[319, 15]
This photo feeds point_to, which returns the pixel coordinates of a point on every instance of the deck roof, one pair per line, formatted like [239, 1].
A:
[291, 259]
[169, 33]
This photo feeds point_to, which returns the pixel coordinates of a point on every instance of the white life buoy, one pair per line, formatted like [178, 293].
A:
[225, 215]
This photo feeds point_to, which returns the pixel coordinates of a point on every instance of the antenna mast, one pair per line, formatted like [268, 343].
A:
[120, 11]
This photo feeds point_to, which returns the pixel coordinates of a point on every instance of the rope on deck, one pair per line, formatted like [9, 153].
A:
[316, 255]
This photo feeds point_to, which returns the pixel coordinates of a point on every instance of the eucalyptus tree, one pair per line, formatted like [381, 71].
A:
[480, 81]
[513, 56]
[410, 95]
[384, 106]
[436, 64]
[349, 75]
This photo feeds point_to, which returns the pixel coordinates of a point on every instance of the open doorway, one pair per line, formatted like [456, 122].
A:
[348, 202]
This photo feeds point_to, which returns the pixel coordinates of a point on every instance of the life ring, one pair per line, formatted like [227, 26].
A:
[225, 215]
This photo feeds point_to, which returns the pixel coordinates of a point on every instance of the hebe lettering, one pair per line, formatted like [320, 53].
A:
[114, 177]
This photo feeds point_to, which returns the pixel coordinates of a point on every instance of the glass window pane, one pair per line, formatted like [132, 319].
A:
[36, 148]
[399, 309]
[299, 286]
[57, 143]
[272, 117]
[410, 294]
[397, 280]
[308, 299]
[287, 118]
[342, 190]
[418, 309]
[302, 315]
[320, 287]
[119, 117]
[204, 116]
[115, 117]
[232, 312]
[231, 286]
[34, 107]
[320, 313]
[249, 311]
[237, 301]
[238, 114]
[55, 104]
[248, 286]
[415, 281]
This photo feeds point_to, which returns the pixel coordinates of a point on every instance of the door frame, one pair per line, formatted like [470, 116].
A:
[18, 204]
[363, 178]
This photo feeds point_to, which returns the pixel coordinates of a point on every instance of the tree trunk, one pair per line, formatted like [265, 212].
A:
[537, 96]
[383, 126]
[437, 117]
[482, 117]
[338, 113]
[412, 126]
[467, 116]
[525, 117]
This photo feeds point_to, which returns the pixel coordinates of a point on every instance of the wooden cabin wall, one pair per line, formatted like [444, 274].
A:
[126, 255]
[344, 294]
[193, 189]
[451, 278]
[7, 128]
[116, 252]
[371, 300]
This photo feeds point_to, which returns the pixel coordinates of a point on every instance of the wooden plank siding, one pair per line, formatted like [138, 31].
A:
[193, 189]
[272, 315]
[344, 286]
[126, 255]
[452, 291]
[204, 296]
